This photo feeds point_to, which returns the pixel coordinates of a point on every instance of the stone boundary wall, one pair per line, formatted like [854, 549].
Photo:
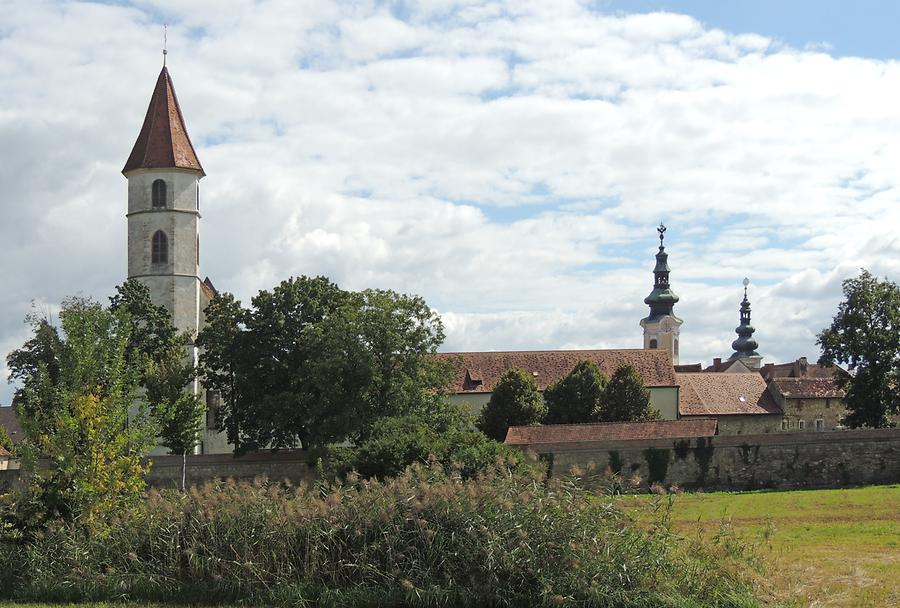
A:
[293, 465]
[740, 462]
[722, 462]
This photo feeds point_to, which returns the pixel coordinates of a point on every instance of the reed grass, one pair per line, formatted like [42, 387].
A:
[426, 538]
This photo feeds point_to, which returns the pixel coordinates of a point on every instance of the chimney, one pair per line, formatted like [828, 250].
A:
[768, 371]
[717, 364]
[804, 366]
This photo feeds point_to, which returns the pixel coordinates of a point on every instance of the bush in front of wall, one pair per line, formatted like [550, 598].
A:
[427, 537]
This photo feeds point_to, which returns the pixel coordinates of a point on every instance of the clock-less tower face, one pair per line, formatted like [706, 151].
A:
[163, 240]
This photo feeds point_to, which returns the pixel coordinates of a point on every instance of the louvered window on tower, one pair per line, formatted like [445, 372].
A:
[160, 248]
[159, 194]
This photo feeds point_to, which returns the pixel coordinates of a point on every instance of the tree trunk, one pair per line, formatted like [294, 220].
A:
[183, 469]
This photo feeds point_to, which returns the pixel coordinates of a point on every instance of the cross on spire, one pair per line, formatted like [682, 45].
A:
[662, 233]
[165, 42]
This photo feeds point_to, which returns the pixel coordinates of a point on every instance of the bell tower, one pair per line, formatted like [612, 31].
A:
[163, 175]
[745, 346]
[661, 326]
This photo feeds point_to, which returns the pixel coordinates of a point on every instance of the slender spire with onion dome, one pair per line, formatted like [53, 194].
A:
[163, 142]
[745, 346]
[662, 299]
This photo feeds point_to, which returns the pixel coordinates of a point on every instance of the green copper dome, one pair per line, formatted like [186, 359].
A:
[662, 299]
[745, 345]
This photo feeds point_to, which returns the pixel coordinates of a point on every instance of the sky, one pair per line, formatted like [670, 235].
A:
[507, 161]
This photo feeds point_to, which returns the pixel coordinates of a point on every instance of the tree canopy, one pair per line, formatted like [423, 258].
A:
[310, 364]
[625, 398]
[577, 397]
[865, 337]
[78, 388]
[515, 401]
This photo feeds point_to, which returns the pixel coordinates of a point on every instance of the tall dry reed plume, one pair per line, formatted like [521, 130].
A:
[427, 537]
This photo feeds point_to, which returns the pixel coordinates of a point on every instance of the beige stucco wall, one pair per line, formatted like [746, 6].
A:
[665, 400]
[476, 401]
[829, 411]
[746, 424]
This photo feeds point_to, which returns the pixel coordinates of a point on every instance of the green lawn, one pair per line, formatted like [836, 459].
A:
[823, 548]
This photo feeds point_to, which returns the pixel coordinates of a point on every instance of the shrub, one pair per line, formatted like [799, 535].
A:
[448, 436]
[428, 537]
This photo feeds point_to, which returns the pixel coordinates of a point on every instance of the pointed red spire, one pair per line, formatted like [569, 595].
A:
[163, 141]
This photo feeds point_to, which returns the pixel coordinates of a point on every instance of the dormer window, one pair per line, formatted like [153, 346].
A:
[653, 344]
[158, 194]
[159, 250]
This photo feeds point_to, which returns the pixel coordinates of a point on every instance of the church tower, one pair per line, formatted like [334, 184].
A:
[745, 346]
[163, 175]
[661, 326]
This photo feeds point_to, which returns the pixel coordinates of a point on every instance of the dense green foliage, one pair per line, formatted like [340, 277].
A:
[448, 437]
[5, 440]
[428, 537]
[865, 336]
[178, 412]
[577, 397]
[626, 399]
[78, 384]
[311, 364]
[515, 401]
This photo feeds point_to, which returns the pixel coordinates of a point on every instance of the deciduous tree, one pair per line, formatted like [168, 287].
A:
[311, 364]
[176, 408]
[78, 386]
[865, 336]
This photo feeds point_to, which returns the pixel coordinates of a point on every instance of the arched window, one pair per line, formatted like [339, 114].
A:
[653, 343]
[159, 194]
[159, 253]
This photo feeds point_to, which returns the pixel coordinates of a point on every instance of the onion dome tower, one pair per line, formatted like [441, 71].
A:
[745, 346]
[661, 326]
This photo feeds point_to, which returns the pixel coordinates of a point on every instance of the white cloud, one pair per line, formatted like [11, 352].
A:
[506, 160]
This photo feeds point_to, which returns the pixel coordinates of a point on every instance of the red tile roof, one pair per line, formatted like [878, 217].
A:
[478, 372]
[808, 388]
[9, 421]
[716, 394]
[611, 431]
[209, 290]
[163, 141]
[801, 368]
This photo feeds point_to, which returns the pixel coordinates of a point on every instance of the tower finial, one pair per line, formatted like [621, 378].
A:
[165, 42]
[746, 282]
[662, 233]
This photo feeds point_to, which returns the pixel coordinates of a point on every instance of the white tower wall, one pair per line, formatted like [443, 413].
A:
[176, 283]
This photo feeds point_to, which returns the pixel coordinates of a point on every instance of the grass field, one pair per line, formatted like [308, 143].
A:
[820, 548]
